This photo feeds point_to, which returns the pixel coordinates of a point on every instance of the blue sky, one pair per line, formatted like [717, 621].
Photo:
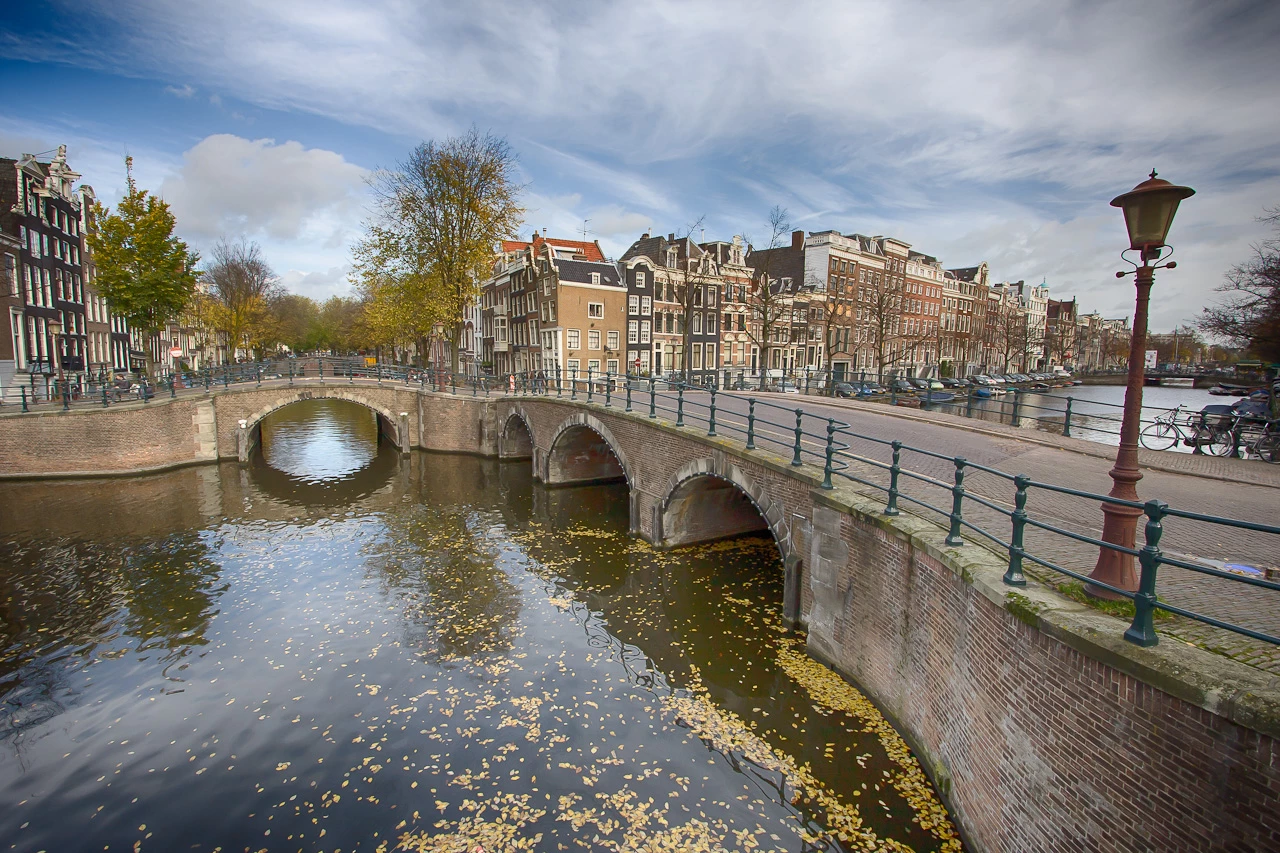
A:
[974, 131]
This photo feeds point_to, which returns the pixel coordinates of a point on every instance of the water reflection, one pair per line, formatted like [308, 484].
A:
[321, 441]
[263, 657]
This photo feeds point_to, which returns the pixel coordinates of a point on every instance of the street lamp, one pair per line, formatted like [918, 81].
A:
[1148, 212]
[55, 334]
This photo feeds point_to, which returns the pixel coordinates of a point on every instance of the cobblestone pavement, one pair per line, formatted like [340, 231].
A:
[1241, 489]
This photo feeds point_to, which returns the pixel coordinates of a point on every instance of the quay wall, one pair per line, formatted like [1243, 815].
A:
[1041, 727]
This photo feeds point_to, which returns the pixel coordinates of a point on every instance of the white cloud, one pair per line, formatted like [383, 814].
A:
[318, 284]
[231, 186]
[185, 91]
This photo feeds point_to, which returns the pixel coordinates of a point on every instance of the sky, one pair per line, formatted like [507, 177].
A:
[975, 131]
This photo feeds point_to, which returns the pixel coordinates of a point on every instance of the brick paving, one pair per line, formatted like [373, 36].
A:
[1241, 489]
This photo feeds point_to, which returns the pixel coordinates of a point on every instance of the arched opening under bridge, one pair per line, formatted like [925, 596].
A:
[583, 453]
[516, 441]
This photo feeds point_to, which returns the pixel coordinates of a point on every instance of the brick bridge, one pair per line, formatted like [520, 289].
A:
[1039, 724]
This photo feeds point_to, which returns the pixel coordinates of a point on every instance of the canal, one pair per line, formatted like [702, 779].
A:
[339, 648]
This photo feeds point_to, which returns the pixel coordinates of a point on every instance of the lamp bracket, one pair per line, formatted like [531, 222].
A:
[1161, 260]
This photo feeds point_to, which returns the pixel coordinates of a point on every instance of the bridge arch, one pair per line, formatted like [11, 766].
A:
[516, 440]
[709, 499]
[583, 450]
[390, 425]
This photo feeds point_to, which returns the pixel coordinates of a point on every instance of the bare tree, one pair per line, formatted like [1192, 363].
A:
[768, 304]
[839, 310]
[242, 285]
[1249, 317]
[884, 298]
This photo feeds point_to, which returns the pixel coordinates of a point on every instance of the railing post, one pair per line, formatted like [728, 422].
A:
[957, 504]
[23, 389]
[751, 423]
[573, 384]
[208, 378]
[66, 396]
[968, 403]
[1066, 420]
[590, 384]
[831, 453]
[258, 369]
[453, 383]
[653, 409]
[680, 404]
[1143, 630]
[711, 423]
[1017, 407]
[795, 460]
[1013, 575]
[893, 393]
[628, 393]
[173, 392]
[226, 376]
[608, 390]
[894, 469]
[104, 395]
[291, 373]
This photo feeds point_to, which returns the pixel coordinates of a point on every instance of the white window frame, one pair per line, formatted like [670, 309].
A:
[645, 336]
[573, 339]
[611, 365]
[595, 310]
[593, 339]
[641, 278]
[646, 305]
[633, 304]
[611, 339]
[595, 278]
[633, 331]
[593, 365]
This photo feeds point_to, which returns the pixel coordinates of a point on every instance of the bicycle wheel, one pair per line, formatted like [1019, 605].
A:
[1219, 442]
[1160, 435]
[1268, 448]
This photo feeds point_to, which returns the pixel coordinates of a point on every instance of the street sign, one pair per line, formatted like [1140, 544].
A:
[1150, 360]
[176, 352]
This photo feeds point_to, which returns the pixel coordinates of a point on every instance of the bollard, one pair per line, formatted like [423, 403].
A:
[1017, 407]
[957, 504]
[453, 383]
[894, 469]
[291, 373]
[1066, 420]
[23, 389]
[589, 383]
[104, 395]
[831, 453]
[1013, 575]
[66, 396]
[653, 410]
[795, 460]
[608, 390]
[1143, 630]
[751, 423]
[173, 392]
[573, 384]
[711, 424]
[628, 408]
[680, 404]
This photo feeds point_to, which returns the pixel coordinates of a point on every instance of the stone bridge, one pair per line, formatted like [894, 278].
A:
[1042, 728]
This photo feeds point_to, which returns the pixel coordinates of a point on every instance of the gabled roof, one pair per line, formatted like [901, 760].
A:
[579, 272]
[655, 248]
[966, 273]
[560, 248]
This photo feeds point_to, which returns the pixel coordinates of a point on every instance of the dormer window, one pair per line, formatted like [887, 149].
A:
[595, 278]
[672, 257]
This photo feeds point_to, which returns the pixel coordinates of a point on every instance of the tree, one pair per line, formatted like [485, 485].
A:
[243, 287]
[769, 306]
[146, 273]
[839, 309]
[886, 327]
[1249, 315]
[437, 219]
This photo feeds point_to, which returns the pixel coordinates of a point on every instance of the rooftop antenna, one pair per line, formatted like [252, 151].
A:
[584, 229]
[128, 171]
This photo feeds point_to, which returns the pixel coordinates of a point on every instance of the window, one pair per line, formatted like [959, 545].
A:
[594, 365]
[19, 347]
[11, 276]
[672, 257]
[640, 279]
[611, 340]
[573, 339]
[711, 322]
[697, 356]
[633, 332]
[644, 331]
[711, 296]
[711, 356]
[595, 310]
[572, 366]
[633, 304]
[593, 339]
[612, 365]
[646, 306]
[697, 324]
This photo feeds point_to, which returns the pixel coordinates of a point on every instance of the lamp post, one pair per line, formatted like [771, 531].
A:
[1149, 209]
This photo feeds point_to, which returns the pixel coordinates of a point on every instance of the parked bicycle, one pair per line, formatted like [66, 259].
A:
[1208, 432]
[1256, 437]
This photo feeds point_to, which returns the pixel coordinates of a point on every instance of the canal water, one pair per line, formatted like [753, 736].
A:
[1095, 409]
[337, 648]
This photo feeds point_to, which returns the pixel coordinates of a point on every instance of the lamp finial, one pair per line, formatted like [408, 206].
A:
[1153, 174]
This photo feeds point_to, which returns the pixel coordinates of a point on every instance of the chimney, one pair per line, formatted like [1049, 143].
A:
[671, 238]
[797, 239]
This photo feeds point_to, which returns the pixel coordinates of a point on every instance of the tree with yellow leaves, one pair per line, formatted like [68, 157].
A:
[437, 219]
